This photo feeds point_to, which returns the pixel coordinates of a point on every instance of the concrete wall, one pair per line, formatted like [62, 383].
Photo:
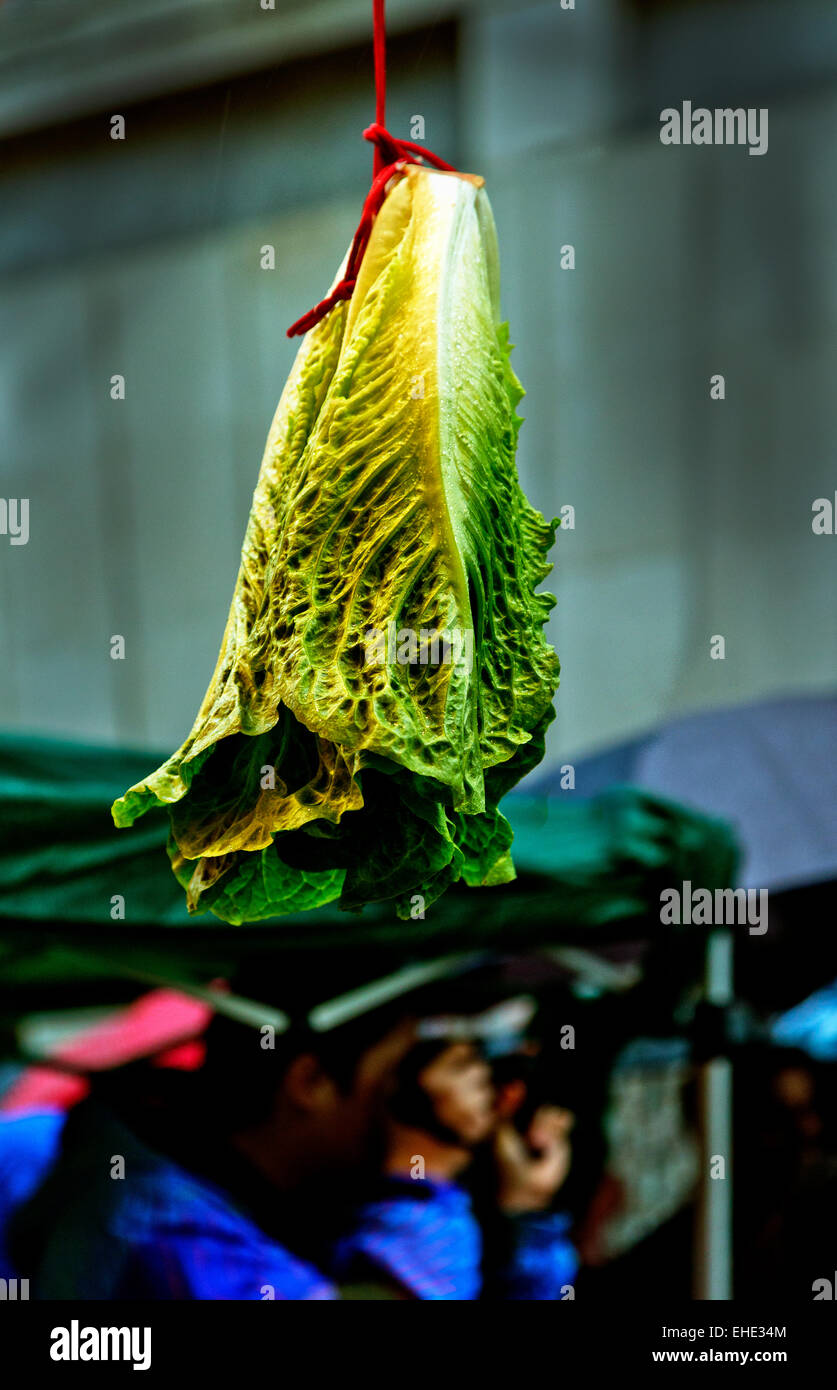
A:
[693, 517]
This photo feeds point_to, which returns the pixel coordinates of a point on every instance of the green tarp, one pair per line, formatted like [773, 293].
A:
[586, 869]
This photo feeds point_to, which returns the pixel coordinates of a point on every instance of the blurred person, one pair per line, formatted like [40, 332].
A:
[528, 1253]
[232, 1182]
[218, 1184]
[419, 1232]
[785, 1143]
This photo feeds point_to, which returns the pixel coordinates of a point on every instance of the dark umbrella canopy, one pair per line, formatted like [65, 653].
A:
[771, 770]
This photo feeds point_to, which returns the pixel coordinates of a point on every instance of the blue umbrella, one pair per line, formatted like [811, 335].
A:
[811, 1025]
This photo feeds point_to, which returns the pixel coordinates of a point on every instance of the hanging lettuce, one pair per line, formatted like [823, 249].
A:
[384, 678]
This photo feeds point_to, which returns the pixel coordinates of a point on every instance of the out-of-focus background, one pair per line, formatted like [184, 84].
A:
[143, 258]
[243, 129]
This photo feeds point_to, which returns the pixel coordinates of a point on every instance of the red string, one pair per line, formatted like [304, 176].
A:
[390, 157]
[380, 50]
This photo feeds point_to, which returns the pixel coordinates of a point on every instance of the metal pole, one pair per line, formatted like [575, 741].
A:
[712, 1277]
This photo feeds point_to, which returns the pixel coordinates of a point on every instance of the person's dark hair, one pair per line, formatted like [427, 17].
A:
[242, 1072]
[242, 1075]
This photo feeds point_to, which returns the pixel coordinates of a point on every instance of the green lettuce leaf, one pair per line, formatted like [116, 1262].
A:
[384, 677]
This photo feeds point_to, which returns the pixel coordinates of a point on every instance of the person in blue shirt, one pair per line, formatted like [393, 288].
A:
[420, 1230]
[217, 1184]
[29, 1144]
[233, 1182]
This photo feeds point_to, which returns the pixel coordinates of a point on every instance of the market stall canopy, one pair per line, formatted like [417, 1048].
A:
[585, 869]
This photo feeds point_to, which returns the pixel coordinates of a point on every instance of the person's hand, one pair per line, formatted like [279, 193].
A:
[532, 1167]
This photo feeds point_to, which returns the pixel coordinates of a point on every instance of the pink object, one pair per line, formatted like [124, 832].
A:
[163, 1024]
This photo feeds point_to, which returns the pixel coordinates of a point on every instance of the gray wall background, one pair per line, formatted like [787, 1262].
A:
[693, 517]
